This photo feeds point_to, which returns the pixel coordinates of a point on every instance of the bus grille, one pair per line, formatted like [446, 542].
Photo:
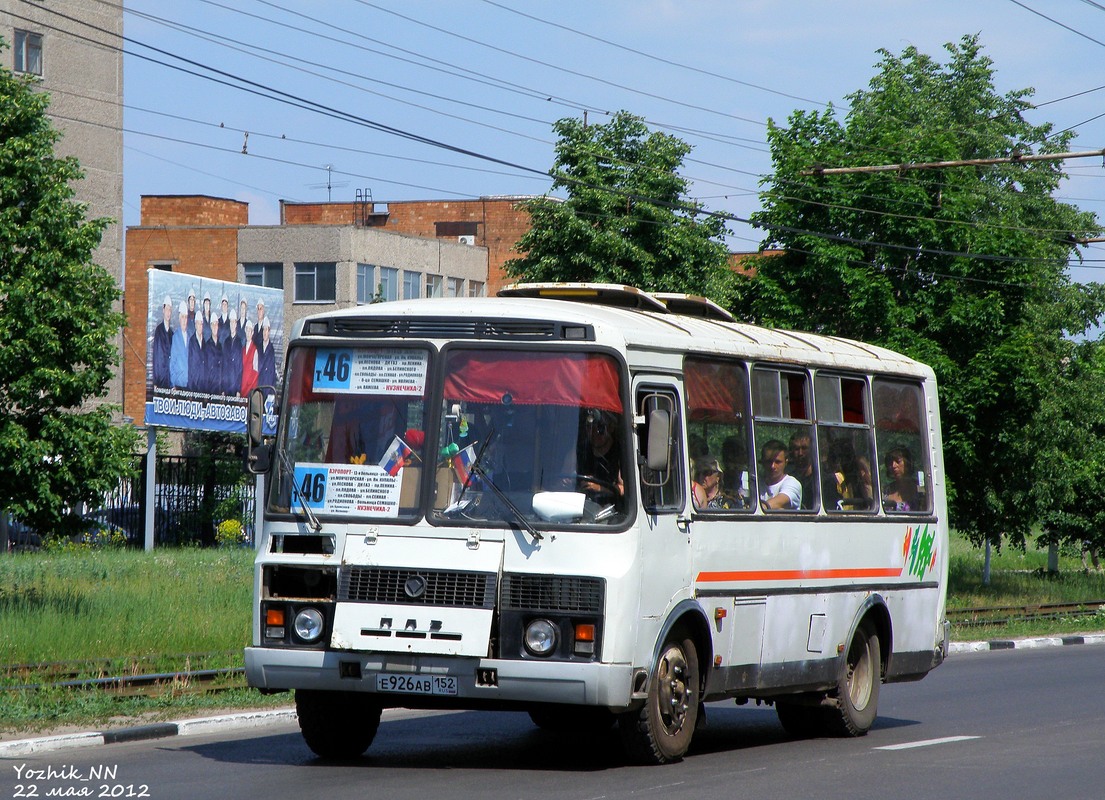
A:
[552, 593]
[441, 588]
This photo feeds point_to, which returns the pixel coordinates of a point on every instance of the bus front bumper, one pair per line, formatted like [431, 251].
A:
[463, 682]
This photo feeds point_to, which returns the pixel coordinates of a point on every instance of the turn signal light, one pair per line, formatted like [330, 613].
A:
[585, 632]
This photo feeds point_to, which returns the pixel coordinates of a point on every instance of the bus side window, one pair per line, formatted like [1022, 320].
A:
[901, 441]
[661, 490]
[717, 434]
[785, 445]
[845, 443]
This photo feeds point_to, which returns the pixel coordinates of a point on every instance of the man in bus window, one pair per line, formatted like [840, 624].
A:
[780, 491]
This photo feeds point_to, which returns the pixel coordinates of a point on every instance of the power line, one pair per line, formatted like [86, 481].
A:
[968, 162]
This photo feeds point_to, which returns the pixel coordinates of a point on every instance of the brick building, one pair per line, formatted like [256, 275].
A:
[495, 223]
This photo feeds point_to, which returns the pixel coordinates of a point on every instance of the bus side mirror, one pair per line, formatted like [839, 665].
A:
[658, 457]
[258, 453]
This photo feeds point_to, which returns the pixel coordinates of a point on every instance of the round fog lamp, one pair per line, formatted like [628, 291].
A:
[540, 637]
[308, 624]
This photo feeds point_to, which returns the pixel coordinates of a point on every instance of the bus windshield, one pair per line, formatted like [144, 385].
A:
[353, 432]
[539, 435]
[535, 438]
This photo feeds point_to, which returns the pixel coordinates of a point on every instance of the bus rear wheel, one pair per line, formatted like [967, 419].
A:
[337, 725]
[857, 691]
[660, 732]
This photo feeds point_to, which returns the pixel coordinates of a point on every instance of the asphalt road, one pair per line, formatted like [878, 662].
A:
[1006, 724]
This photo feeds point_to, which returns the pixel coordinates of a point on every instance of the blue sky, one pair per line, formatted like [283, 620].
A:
[410, 86]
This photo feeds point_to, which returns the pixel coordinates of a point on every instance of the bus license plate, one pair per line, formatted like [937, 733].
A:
[416, 684]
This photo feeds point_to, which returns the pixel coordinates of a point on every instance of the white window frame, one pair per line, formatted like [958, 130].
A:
[314, 274]
[435, 286]
[366, 286]
[28, 51]
[389, 283]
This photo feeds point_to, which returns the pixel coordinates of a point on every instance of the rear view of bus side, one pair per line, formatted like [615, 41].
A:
[599, 506]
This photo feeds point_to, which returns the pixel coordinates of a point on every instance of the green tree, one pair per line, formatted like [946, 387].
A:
[1070, 439]
[57, 324]
[625, 218]
[964, 268]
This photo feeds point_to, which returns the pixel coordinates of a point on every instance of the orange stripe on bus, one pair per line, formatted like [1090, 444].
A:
[798, 574]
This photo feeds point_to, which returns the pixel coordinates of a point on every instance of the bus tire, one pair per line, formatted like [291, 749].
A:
[576, 720]
[337, 725]
[857, 691]
[660, 731]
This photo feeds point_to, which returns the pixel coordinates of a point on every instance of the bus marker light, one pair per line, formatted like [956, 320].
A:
[585, 632]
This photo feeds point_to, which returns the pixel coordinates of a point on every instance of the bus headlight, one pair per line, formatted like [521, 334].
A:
[541, 637]
[308, 624]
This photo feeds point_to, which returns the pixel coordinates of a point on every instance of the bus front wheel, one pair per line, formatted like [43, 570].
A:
[660, 732]
[337, 725]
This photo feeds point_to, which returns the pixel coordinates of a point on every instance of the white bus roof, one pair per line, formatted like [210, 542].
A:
[641, 322]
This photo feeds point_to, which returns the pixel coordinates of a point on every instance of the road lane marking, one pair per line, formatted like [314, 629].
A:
[927, 742]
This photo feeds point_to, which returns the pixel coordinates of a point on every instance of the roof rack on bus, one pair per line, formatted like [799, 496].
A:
[693, 305]
[604, 294]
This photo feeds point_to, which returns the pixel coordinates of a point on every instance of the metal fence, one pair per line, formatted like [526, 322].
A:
[192, 496]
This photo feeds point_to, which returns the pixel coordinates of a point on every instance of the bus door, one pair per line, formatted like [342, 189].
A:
[664, 524]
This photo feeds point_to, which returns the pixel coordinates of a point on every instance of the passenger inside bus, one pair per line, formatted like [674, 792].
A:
[735, 478]
[800, 461]
[363, 429]
[707, 488]
[902, 493]
[847, 482]
[778, 489]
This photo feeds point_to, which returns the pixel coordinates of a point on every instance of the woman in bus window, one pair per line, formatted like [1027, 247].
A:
[902, 494]
[707, 489]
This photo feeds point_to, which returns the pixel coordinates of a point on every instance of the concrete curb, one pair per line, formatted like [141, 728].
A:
[260, 719]
[161, 730]
[1025, 644]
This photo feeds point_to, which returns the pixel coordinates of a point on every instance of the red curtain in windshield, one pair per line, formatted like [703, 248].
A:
[565, 379]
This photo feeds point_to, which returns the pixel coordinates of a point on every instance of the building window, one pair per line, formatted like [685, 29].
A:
[163, 266]
[412, 284]
[454, 287]
[450, 229]
[28, 52]
[366, 290]
[316, 281]
[268, 274]
[389, 283]
[476, 289]
[434, 286]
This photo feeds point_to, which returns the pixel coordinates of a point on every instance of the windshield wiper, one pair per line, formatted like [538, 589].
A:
[477, 469]
[289, 475]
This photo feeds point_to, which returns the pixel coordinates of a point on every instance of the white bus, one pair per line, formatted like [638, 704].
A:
[597, 505]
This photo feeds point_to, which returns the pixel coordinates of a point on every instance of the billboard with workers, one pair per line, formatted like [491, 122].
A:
[208, 343]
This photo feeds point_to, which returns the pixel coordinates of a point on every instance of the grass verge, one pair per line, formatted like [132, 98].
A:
[141, 610]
